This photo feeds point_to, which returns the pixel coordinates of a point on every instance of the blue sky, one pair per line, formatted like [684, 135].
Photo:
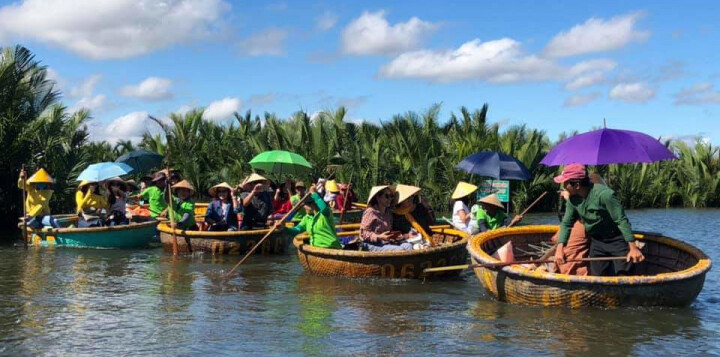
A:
[553, 65]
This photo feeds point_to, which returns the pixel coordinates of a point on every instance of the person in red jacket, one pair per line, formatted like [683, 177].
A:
[340, 202]
[281, 201]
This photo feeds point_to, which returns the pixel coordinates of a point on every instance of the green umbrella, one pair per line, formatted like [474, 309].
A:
[281, 162]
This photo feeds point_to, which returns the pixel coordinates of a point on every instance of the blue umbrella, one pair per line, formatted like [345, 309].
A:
[103, 171]
[496, 165]
[141, 160]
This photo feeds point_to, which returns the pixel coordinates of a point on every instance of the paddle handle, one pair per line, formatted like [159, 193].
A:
[24, 198]
[530, 206]
[504, 264]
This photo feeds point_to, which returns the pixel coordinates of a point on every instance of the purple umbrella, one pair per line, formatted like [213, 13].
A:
[608, 146]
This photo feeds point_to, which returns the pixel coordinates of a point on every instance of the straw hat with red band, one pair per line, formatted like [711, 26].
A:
[572, 172]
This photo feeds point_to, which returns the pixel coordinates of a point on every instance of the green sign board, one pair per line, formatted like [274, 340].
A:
[499, 187]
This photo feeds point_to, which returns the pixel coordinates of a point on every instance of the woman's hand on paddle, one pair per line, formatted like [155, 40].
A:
[516, 220]
[22, 174]
[635, 255]
[559, 254]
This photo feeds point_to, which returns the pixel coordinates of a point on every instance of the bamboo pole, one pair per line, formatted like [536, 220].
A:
[171, 213]
[24, 199]
[530, 206]
[503, 264]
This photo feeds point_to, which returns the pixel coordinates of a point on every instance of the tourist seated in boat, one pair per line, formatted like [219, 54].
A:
[461, 217]
[341, 203]
[221, 214]
[605, 223]
[578, 244]
[294, 199]
[117, 191]
[318, 222]
[39, 190]
[155, 196]
[412, 213]
[281, 200]
[377, 222]
[183, 206]
[91, 206]
[331, 192]
[255, 201]
[491, 215]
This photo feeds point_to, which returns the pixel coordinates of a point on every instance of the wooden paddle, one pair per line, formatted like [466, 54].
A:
[503, 264]
[345, 198]
[24, 198]
[529, 207]
[171, 213]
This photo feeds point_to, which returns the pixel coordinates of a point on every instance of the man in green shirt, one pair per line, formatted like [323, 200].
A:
[155, 195]
[319, 223]
[604, 219]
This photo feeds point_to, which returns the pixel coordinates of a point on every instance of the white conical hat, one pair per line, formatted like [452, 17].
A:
[374, 191]
[405, 192]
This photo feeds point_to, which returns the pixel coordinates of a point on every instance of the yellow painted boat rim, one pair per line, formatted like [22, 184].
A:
[165, 228]
[301, 242]
[476, 242]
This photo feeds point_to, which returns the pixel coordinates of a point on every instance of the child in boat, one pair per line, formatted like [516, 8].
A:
[604, 219]
[117, 199]
[491, 214]
[318, 222]
[39, 188]
[461, 217]
[411, 212]
[255, 201]
[91, 206]
[221, 214]
[377, 221]
[183, 206]
[155, 196]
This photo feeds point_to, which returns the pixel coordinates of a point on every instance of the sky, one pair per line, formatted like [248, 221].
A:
[558, 66]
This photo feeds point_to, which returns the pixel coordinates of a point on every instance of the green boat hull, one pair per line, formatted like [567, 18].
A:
[137, 235]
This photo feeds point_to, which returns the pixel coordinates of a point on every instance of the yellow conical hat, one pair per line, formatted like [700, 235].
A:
[374, 191]
[463, 189]
[41, 176]
[492, 200]
[331, 186]
[184, 184]
[405, 192]
[214, 189]
[253, 178]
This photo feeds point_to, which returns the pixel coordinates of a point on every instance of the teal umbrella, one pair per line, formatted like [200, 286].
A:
[281, 162]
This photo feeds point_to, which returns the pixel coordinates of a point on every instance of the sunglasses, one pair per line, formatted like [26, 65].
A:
[389, 195]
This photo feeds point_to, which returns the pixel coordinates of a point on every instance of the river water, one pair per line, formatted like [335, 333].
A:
[145, 302]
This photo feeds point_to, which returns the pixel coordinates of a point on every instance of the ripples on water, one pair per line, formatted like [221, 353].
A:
[143, 302]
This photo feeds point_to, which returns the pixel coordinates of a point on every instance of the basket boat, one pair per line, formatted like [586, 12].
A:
[672, 274]
[137, 234]
[450, 250]
[230, 243]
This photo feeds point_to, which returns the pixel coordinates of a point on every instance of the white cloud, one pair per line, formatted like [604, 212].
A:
[371, 34]
[85, 95]
[54, 76]
[223, 109]
[597, 35]
[151, 89]
[326, 21]
[580, 100]
[92, 103]
[128, 127]
[701, 93]
[270, 42]
[111, 29]
[86, 88]
[632, 92]
[587, 80]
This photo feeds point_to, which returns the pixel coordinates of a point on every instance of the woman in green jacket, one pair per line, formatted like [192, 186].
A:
[318, 222]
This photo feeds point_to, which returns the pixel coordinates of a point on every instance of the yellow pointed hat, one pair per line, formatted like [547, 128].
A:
[463, 189]
[405, 192]
[184, 184]
[331, 186]
[41, 176]
[374, 191]
[492, 200]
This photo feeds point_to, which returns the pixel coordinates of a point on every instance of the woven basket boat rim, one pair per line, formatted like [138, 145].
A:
[302, 245]
[700, 268]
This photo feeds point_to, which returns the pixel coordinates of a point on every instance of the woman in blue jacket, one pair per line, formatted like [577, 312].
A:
[221, 214]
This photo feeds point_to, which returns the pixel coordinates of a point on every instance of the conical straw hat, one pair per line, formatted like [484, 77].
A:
[331, 186]
[463, 189]
[214, 189]
[492, 200]
[253, 178]
[184, 184]
[374, 191]
[41, 176]
[405, 192]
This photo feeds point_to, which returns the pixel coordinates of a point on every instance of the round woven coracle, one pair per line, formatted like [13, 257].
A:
[672, 274]
[449, 250]
[230, 243]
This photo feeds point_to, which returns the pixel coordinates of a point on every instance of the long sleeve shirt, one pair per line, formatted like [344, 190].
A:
[374, 223]
[37, 201]
[184, 213]
[89, 200]
[320, 226]
[600, 212]
[155, 198]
